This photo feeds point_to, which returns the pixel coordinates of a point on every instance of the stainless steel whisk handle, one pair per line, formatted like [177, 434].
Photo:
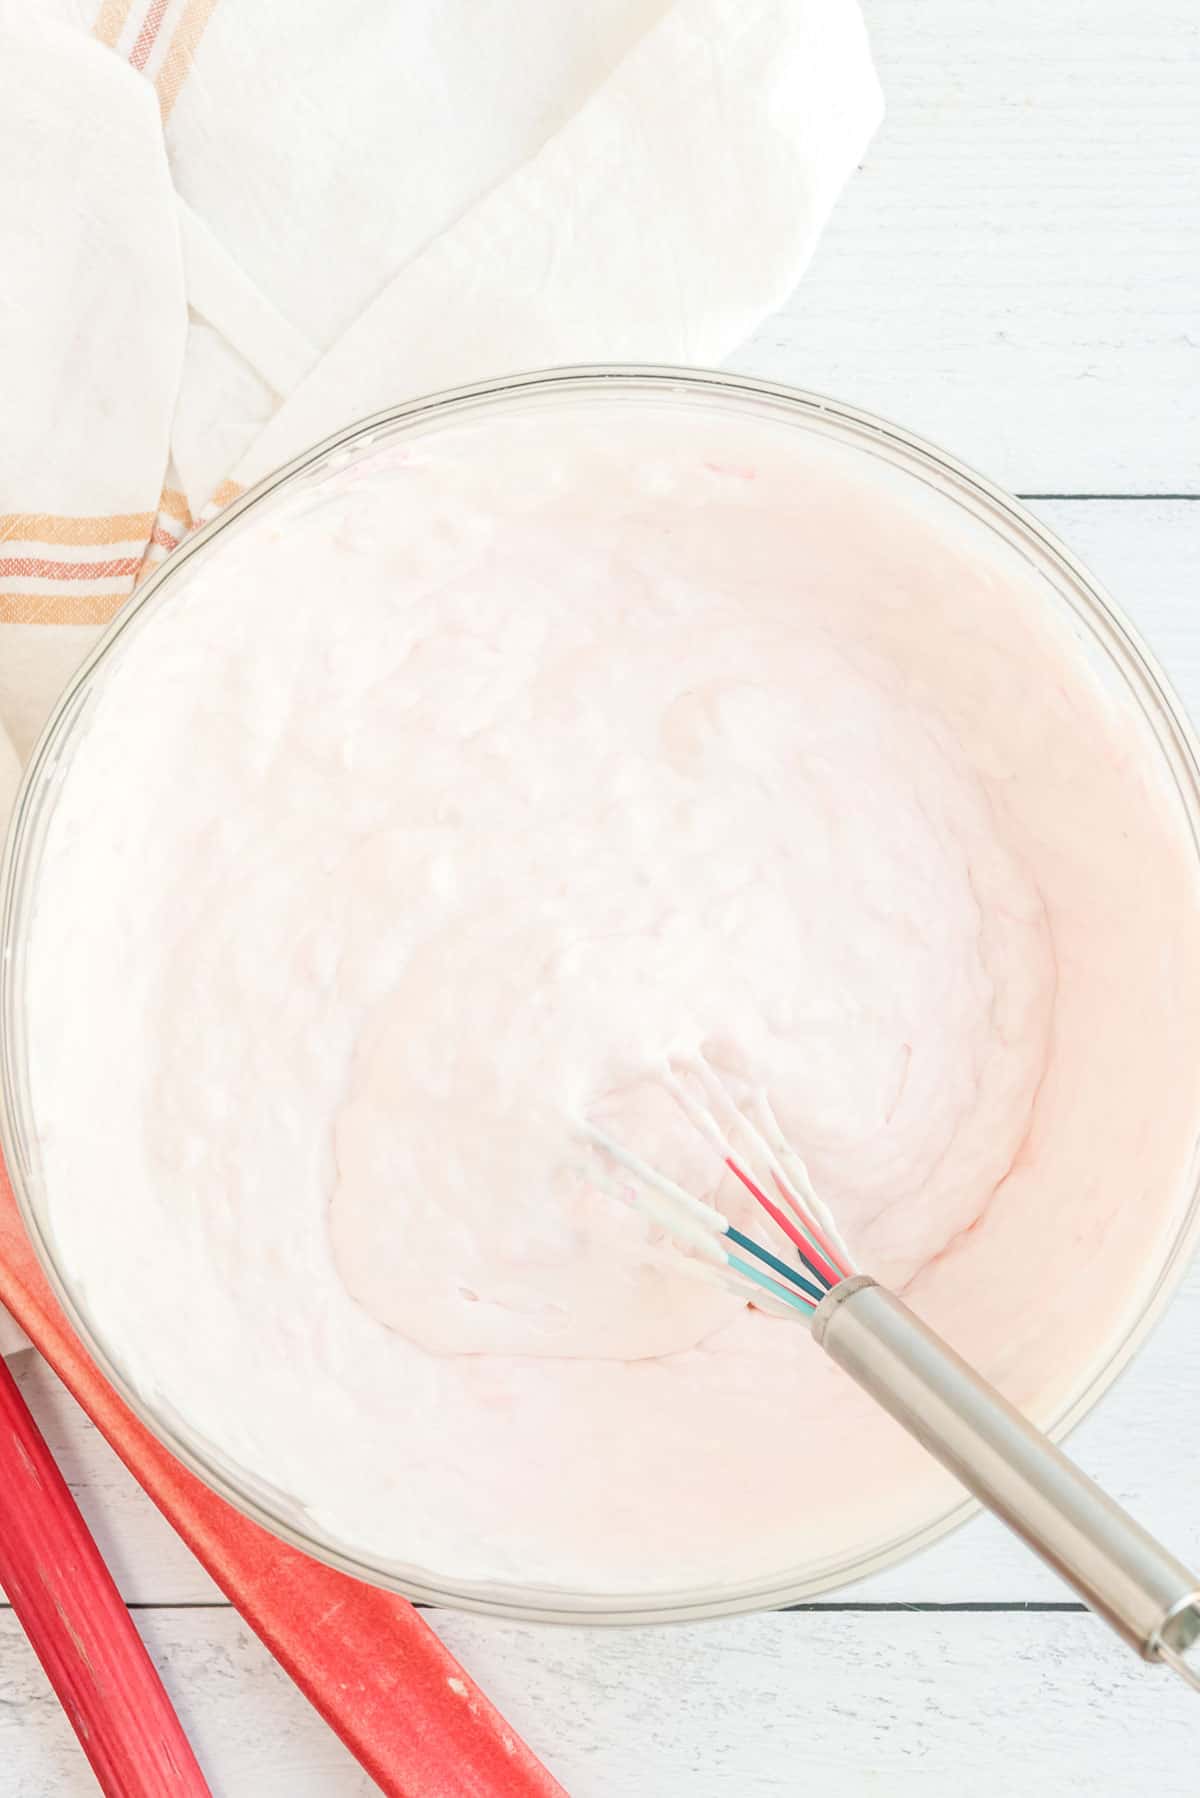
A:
[1149, 1598]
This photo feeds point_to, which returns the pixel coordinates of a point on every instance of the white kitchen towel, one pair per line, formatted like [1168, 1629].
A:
[232, 226]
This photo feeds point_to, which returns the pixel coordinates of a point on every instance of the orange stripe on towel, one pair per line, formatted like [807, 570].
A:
[75, 533]
[109, 20]
[39, 568]
[174, 504]
[180, 52]
[53, 608]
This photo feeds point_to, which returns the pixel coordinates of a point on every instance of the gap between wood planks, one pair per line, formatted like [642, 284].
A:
[1130, 496]
[1026, 1606]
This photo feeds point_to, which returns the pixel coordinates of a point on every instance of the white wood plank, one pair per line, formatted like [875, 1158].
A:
[1148, 555]
[1007, 1705]
[1015, 1705]
[1015, 270]
[254, 1734]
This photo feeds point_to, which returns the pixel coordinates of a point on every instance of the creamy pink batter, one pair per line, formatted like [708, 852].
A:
[433, 807]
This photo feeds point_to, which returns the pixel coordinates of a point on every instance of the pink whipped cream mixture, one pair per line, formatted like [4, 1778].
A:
[441, 800]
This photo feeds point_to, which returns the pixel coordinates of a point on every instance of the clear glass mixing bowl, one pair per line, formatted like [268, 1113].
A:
[1104, 635]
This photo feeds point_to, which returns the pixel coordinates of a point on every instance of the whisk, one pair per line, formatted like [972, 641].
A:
[1149, 1598]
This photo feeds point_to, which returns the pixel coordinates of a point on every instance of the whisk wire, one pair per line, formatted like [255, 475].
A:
[794, 1185]
[700, 1228]
[693, 1225]
[811, 1257]
[816, 1293]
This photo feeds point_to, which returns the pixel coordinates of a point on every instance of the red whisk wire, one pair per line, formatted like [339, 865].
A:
[837, 1256]
[832, 1274]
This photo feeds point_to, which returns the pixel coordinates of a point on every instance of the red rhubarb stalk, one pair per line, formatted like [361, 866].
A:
[77, 1623]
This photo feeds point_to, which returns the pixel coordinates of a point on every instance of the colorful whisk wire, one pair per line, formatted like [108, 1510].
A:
[704, 1232]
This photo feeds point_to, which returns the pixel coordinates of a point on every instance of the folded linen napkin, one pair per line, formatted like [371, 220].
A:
[232, 226]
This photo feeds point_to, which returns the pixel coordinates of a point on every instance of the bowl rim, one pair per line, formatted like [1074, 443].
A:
[987, 502]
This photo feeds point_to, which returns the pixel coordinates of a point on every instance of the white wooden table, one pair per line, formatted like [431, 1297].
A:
[1016, 274]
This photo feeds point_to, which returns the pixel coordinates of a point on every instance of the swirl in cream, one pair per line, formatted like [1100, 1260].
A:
[436, 804]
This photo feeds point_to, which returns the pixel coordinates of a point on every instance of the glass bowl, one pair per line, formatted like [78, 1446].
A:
[1104, 635]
